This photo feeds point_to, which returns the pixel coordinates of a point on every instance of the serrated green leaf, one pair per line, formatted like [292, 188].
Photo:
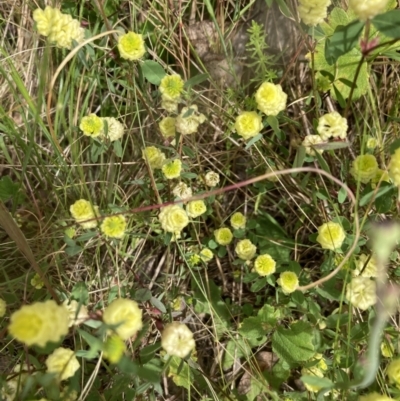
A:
[337, 17]
[236, 349]
[153, 71]
[8, 188]
[252, 329]
[294, 345]
[388, 23]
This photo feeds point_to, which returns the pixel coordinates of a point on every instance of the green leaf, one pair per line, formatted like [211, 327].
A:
[252, 329]
[73, 250]
[258, 284]
[342, 195]
[324, 165]
[158, 304]
[143, 295]
[8, 189]
[196, 80]
[388, 23]
[153, 71]
[80, 293]
[344, 39]
[332, 145]
[321, 382]
[180, 373]
[294, 344]
[118, 148]
[383, 190]
[253, 141]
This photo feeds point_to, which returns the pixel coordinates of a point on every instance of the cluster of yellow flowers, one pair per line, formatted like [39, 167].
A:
[172, 169]
[154, 157]
[271, 100]
[366, 9]
[39, 323]
[238, 221]
[313, 12]
[205, 255]
[245, 249]
[114, 348]
[364, 168]
[102, 127]
[366, 266]
[317, 371]
[361, 292]
[331, 236]
[61, 29]
[265, 265]
[173, 219]
[288, 281]
[171, 88]
[177, 339]
[78, 313]
[63, 363]
[131, 46]
[112, 226]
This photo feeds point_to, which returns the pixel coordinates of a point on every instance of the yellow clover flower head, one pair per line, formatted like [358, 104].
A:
[61, 29]
[189, 120]
[265, 265]
[245, 249]
[171, 106]
[154, 157]
[393, 372]
[375, 397]
[387, 349]
[63, 363]
[172, 169]
[131, 46]
[126, 314]
[361, 292]
[114, 348]
[372, 143]
[194, 260]
[332, 125]
[182, 191]
[196, 208]
[177, 339]
[167, 126]
[312, 371]
[173, 219]
[77, 313]
[223, 236]
[248, 124]
[114, 226]
[115, 130]
[366, 266]
[313, 12]
[83, 210]
[206, 255]
[271, 99]
[394, 167]
[366, 9]
[331, 235]
[212, 179]
[37, 282]
[238, 221]
[364, 168]
[171, 87]
[39, 323]
[288, 281]
[309, 142]
[3, 307]
[92, 125]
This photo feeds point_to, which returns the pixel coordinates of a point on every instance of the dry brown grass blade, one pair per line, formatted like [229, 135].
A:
[15, 233]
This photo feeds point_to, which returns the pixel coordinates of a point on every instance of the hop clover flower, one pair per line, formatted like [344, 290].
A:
[393, 372]
[223, 236]
[167, 126]
[271, 99]
[366, 266]
[62, 362]
[288, 281]
[3, 307]
[114, 226]
[372, 143]
[189, 120]
[92, 125]
[114, 348]
[77, 313]
[131, 46]
[154, 157]
[245, 249]
[115, 130]
[171, 87]
[172, 169]
[196, 208]
[177, 339]
[169, 105]
[366, 9]
[173, 219]
[182, 191]
[331, 236]
[212, 179]
[265, 265]
[309, 142]
[83, 210]
[248, 124]
[364, 168]
[361, 292]
[206, 255]
[61, 29]
[312, 371]
[238, 221]
[394, 167]
[313, 12]
[332, 125]
[39, 323]
[37, 282]
[126, 314]
[375, 397]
